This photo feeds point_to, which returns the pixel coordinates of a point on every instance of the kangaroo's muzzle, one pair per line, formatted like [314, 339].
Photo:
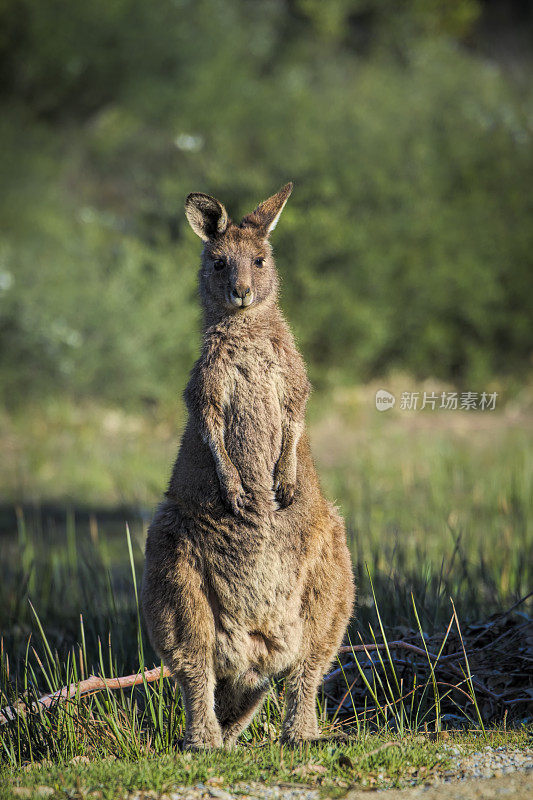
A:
[241, 296]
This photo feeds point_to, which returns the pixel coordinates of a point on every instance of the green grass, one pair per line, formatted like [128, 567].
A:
[330, 767]
[437, 507]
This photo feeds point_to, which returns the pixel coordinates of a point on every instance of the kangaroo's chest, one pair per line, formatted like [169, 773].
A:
[253, 411]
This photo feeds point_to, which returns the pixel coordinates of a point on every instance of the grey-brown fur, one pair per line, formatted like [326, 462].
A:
[247, 575]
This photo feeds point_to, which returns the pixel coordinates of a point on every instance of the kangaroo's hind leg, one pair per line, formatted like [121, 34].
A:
[180, 624]
[300, 723]
[326, 613]
[235, 707]
[202, 730]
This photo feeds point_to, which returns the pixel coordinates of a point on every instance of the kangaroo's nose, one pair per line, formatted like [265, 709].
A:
[240, 291]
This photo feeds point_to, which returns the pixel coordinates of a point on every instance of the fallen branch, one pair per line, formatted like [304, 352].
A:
[361, 648]
[398, 645]
[96, 683]
[88, 686]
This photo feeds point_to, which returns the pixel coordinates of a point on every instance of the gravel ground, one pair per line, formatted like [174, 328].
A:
[516, 786]
[499, 773]
[491, 762]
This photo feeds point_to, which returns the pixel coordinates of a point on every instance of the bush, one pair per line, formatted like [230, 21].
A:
[407, 243]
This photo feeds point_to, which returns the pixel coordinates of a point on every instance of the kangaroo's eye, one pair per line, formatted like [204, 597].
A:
[259, 262]
[219, 263]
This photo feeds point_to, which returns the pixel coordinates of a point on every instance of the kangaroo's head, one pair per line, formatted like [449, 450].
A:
[238, 272]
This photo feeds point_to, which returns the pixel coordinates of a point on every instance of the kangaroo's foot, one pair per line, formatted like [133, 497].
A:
[203, 737]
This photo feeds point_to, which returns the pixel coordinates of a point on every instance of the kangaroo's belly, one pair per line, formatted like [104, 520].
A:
[252, 657]
[264, 645]
[257, 615]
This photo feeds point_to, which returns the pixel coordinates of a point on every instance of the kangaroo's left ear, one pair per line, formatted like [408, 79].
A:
[266, 215]
[207, 217]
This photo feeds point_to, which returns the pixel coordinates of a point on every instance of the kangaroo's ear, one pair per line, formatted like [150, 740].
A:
[207, 217]
[266, 215]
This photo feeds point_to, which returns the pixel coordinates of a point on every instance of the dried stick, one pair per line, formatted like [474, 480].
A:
[92, 684]
[361, 648]
[96, 684]
[499, 698]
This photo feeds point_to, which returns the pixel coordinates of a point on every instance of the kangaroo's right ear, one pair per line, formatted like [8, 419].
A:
[207, 217]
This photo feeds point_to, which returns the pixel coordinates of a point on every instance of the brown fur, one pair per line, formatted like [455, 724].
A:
[247, 576]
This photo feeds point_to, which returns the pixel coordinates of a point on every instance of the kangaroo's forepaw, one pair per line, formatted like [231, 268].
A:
[285, 482]
[235, 499]
[284, 493]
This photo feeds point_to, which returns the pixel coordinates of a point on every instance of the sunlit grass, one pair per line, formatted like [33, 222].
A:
[433, 513]
[149, 719]
[365, 762]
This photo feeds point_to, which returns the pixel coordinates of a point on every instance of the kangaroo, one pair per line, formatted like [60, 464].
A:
[248, 576]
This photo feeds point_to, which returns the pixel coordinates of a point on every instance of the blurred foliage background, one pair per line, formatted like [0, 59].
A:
[406, 256]
[407, 128]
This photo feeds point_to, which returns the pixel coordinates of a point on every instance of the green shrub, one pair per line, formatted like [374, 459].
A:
[408, 240]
